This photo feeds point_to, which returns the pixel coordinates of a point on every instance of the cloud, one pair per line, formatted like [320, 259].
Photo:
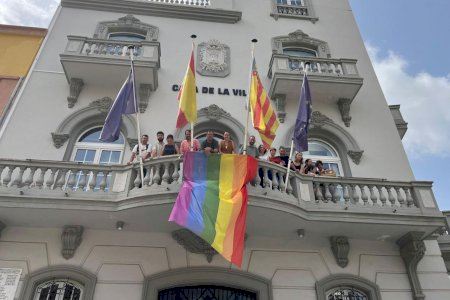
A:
[424, 100]
[35, 13]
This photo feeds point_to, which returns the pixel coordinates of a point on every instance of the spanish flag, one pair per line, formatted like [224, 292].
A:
[264, 117]
[187, 97]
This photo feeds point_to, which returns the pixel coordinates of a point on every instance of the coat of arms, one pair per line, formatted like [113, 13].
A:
[213, 59]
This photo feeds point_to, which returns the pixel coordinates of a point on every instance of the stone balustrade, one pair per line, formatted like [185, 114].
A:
[317, 66]
[164, 175]
[184, 2]
[290, 9]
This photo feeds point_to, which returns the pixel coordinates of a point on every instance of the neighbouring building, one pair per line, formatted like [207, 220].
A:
[18, 48]
[80, 224]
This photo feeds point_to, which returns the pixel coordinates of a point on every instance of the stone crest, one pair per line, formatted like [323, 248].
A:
[340, 248]
[103, 104]
[193, 243]
[213, 59]
[213, 112]
[318, 119]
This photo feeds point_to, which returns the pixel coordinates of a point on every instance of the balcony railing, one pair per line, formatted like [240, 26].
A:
[295, 10]
[184, 2]
[31, 178]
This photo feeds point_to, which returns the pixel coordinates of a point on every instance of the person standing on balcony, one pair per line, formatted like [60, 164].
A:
[273, 158]
[144, 151]
[283, 156]
[210, 145]
[251, 148]
[170, 148]
[262, 153]
[186, 144]
[159, 146]
[226, 146]
[297, 163]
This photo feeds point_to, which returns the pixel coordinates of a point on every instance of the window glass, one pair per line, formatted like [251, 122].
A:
[300, 52]
[93, 135]
[346, 293]
[130, 37]
[59, 289]
[318, 150]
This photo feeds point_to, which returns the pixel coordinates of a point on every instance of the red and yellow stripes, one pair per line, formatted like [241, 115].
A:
[263, 115]
[187, 97]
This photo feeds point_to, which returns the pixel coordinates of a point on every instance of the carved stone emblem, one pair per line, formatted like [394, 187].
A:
[132, 142]
[213, 59]
[318, 119]
[103, 104]
[193, 243]
[340, 248]
[355, 156]
[76, 85]
[344, 108]
[213, 112]
[70, 239]
[59, 139]
[129, 23]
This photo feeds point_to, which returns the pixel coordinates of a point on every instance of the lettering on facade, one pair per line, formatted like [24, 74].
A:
[212, 91]
[9, 280]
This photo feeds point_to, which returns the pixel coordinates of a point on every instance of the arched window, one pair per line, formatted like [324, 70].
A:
[201, 292]
[346, 293]
[319, 150]
[59, 289]
[90, 150]
[126, 36]
[300, 52]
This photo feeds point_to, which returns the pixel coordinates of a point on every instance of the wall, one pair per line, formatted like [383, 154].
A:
[372, 124]
[122, 259]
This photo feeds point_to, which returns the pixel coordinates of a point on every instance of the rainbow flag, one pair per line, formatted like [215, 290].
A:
[212, 202]
[187, 97]
[264, 117]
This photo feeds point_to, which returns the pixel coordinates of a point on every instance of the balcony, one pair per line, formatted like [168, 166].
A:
[330, 80]
[107, 62]
[298, 11]
[52, 194]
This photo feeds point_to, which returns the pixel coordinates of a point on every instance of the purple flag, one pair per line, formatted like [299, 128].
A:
[303, 117]
[124, 104]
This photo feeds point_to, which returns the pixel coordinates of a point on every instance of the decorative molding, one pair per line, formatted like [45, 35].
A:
[340, 248]
[2, 226]
[130, 24]
[304, 12]
[214, 112]
[193, 243]
[344, 108]
[280, 104]
[412, 250]
[71, 239]
[144, 96]
[132, 142]
[59, 139]
[213, 59]
[34, 279]
[76, 85]
[102, 104]
[146, 8]
[300, 39]
[371, 289]
[355, 155]
[318, 120]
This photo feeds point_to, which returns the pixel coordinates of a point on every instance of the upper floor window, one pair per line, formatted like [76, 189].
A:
[346, 293]
[59, 289]
[291, 2]
[300, 52]
[318, 150]
[300, 9]
[124, 36]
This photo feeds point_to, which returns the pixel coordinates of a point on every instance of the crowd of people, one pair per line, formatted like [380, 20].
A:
[226, 146]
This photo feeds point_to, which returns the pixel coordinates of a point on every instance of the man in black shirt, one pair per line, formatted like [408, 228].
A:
[210, 145]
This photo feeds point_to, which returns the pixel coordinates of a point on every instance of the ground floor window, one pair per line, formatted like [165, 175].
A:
[346, 293]
[205, 292]
[59, 289]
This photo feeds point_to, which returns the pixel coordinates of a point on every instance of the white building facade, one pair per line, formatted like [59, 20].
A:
[80, 224]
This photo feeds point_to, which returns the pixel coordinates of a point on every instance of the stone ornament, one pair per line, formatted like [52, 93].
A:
[213, 112]
[59, 139]
[344, 108]
[144, 96]
[340, 248]
[318, 119]
[129, 23]
[193, 243]
[76, 85]
[70, 239]
[355, 156]
[412, 250]
[103, 104]
[213, 59]
[300, 38]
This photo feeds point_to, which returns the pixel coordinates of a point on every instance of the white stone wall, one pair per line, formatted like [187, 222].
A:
[121, 261]
[42, 105]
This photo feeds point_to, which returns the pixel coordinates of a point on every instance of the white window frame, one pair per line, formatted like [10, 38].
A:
[326, 159]
[59, 281]
[301, 49]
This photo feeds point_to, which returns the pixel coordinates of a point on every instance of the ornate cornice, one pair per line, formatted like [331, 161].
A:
[340, 248]
[70, 239]
[193, 243]
[299, 38]
[129, 23]
[412, 250]
[59, 139]
[213, 112]
[147, 8]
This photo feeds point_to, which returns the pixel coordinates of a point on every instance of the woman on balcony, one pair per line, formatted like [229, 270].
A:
[170, 148]
[297, 164]
[226, 146]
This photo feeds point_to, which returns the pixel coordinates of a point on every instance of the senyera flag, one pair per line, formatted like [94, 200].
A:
[212, 202]
[264, 117]
[187, 97]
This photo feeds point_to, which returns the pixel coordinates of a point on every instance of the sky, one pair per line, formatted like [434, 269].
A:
[409, 45]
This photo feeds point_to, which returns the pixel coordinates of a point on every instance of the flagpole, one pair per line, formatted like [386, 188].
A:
[193, 37]
[141, 164]
[292, 146]
[244, 150]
